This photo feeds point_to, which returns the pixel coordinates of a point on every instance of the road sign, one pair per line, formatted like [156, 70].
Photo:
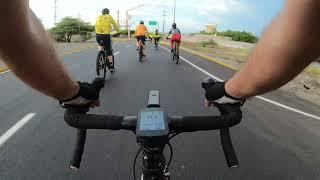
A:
[153, 23]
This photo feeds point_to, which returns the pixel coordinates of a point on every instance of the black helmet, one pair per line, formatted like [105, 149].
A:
[105, 11]
[174, 25]
[141, 22]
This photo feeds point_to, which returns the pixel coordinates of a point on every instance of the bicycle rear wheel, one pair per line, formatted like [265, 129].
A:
[140, 53]
[176, 53]
[101, 66]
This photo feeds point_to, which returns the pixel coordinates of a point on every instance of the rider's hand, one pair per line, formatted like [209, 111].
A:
[216, 94]
[87, 96]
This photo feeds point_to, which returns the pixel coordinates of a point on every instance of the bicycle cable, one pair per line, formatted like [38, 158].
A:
[134, 163]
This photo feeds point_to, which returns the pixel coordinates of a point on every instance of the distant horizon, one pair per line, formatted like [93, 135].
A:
[237, 15]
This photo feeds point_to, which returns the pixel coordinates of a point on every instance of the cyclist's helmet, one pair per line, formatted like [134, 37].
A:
[174, 25]
[105, 11]
[141, 22]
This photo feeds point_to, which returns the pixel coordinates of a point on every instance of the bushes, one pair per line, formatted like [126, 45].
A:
[125, 32]
[239, 36]
[210, 43]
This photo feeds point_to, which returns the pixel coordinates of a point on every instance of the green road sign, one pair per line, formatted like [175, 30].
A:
[153, 23]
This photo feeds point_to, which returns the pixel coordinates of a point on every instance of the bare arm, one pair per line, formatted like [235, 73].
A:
[28, 51]
[169, 34]
[115, 25]
[284, 50]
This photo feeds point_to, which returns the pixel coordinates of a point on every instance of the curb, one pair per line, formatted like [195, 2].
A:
[206, 57]
[3, 69]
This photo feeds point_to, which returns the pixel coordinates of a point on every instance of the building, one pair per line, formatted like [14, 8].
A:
[210, 28]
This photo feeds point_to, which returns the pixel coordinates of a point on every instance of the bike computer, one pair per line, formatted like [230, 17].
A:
[152, 123]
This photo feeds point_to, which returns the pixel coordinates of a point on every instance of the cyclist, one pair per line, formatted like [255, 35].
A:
[176, 36]
[141, 33]
[285, 58]
[103, 28]
[156, 36]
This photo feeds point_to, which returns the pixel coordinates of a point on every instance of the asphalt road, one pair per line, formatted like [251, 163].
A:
[271, 142]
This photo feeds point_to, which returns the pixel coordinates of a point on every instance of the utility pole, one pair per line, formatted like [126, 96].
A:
[174, 11]
[164, 22]
[55, 11]
[79, 19]
[118, 17]
[127, 23]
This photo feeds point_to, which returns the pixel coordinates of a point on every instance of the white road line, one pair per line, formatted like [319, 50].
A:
[116, 53]
[128, 46]
[259, 97]
[15, 128]
[5, 72]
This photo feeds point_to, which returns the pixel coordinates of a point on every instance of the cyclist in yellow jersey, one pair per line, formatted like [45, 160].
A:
[156, 36]
[103, 28]
[141, 34]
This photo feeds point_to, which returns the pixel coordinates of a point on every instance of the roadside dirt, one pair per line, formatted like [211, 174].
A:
[306, 85]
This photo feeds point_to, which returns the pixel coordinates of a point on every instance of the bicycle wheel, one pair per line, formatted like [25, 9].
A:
[101, 65]
[173, 52]
[176, 54]
[112, 62]
[140, 53]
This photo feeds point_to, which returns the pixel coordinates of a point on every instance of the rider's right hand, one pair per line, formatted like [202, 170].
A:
[217, 95]
[87, 96]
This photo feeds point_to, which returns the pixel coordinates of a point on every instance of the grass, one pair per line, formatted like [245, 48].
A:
[3, 69]
[211, 43]
[313, 70]
[211, 48]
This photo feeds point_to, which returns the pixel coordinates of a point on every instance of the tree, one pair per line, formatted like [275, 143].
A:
[239, 36]
[68, 26]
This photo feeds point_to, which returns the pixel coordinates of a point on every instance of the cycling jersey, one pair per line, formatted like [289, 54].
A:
[156, 35]
[141, 30]
[174, 31]
[103, 24]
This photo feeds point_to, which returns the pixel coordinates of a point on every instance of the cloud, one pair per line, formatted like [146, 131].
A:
[220, 7]
[191, 15]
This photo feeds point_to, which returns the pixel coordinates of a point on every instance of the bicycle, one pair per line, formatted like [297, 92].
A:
[154, 129]
[156, 43]
[175, 52]
[140, 51]
[102, 63]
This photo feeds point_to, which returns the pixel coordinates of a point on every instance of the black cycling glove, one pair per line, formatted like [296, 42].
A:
[215, 92]
[87, 94]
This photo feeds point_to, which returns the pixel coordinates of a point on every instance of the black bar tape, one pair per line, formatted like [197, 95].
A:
[91, 121]
[228, 149]
[198, 123]
[78, 151]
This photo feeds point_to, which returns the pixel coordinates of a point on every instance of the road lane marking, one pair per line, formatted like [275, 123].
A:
[15, 128]
[128, 45]
[259, 97]
[63, 54]
[4, 72]
[116, 53]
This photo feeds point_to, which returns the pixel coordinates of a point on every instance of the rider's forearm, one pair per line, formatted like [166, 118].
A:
[284, 50]
[28, 52]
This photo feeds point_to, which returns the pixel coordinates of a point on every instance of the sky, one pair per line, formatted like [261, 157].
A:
[191, 15]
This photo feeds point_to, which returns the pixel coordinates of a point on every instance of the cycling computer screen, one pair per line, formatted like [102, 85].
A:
[152, 120]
